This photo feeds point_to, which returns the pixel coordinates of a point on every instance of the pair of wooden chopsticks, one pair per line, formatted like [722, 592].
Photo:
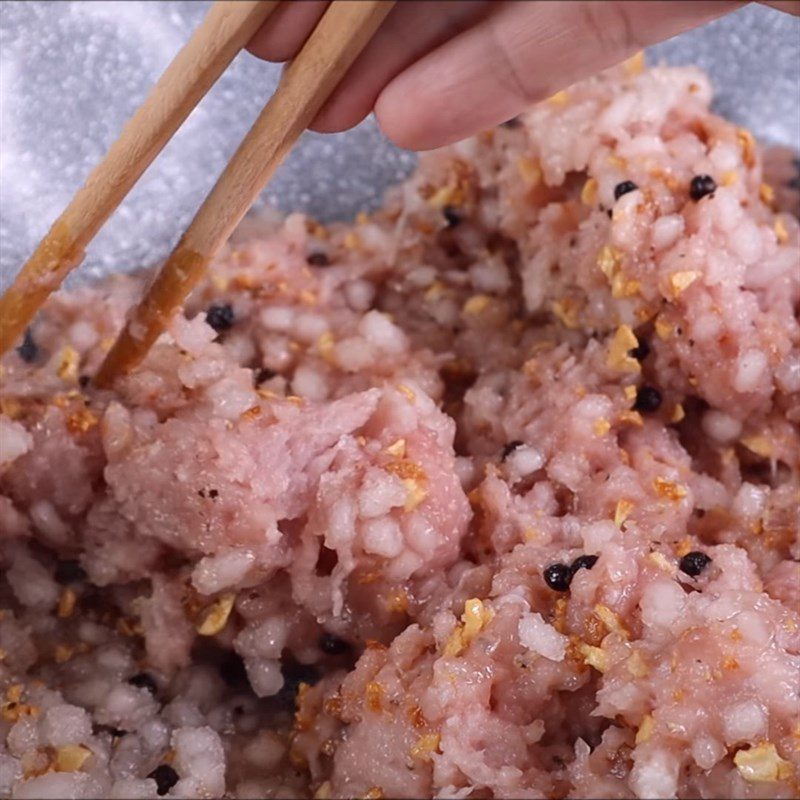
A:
[308, 81]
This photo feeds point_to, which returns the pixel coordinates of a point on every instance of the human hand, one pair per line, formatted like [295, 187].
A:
[440, 70]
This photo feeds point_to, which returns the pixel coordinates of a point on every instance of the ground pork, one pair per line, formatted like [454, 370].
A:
[491, 493]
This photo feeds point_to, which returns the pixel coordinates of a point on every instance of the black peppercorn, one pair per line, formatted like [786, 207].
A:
[84, 381]
[558, 577]
[648, 399]
[165, 777]
[694, 563]
[220, 317]
[69, 572]
[318, 259]
[701, 185]
[624, 188]
[582, 562]
[28, 350]
[143, 680]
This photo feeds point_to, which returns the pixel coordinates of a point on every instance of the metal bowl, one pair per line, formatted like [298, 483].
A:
[72, 73]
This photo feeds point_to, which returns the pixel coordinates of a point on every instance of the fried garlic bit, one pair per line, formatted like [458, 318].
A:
[425, 746]
[69, 360]
[669, 490]
[477, 304]
[611, 620]
[530, 170]
[213, 619]
[567, 310]
[475, 618]
[589, 192]
[71, 758]
[645, 729]
[66, 603]
[397, 448]
[762, 763]
[680, 281]
[594, 657]
[619, 351]
[622, 512]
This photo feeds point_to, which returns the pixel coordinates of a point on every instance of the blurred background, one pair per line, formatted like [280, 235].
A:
[71, 73]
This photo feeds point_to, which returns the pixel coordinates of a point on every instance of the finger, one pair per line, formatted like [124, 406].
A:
[283, 34]
[412, 29]
[790, 6]
[522, 53]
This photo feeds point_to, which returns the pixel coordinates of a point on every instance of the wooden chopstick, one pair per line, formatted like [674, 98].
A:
[226, 29]
[308, 81]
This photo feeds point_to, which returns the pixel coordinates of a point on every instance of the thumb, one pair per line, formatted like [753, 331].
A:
[522, 53]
